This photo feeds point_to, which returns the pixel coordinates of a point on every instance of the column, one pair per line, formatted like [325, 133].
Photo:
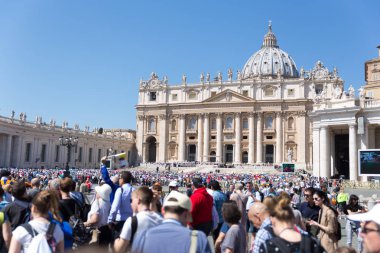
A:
[141, 155]
[20, 156]
[8, 151]
[163, 138]
[353, 152]
[278, 137]
[316, 146]
[251, 141]
[324, 161]
[259, 138]
[371, 137]
[182, 138]
[302, 139]
[237, 137]
[219, 135]
[364, 144]
[206, 136]
[332, 153]
[200, 138]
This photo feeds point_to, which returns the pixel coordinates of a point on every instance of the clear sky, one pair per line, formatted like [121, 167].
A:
[81, 61]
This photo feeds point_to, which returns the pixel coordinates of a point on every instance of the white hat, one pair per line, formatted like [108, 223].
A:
[372, 215]
[178, 199]
[173, 184]
[104, 191]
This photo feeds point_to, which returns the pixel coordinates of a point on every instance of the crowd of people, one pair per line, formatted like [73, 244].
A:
[54, 211]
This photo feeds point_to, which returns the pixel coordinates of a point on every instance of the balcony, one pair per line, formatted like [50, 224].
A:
[269, 131]
[370, 103]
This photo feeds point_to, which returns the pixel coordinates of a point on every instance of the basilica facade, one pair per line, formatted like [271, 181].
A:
[259, 115]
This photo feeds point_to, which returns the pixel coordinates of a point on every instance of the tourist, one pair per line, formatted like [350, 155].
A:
[370, 230]
[172, 236]
[327, 222]
[145, 219]
[202, 204]
[241, 200]
[219, 198]
[235, 238]
[352, 227]
[260, 217]
[98, 215]
[43, 203]
[35, 187]
[288, 238]
[309, 210]
[67, 206]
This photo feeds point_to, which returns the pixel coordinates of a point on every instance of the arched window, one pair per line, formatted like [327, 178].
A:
[245, 123]
[245, 157]
[212, 156]
[192, 123]
[290, 123]
[151, 125]
[174, 125]
[192, 95]
[269, 122]
[229, 121]
[213, 124]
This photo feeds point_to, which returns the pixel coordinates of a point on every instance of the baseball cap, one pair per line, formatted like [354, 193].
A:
[372, 215]
[178, 199]
[173, 184]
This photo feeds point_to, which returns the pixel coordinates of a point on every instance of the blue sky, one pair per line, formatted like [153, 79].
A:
[81, 61]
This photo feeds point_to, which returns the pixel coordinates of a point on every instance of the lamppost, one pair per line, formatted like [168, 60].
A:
[68, 142]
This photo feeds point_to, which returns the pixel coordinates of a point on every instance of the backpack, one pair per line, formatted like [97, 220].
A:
[261, 196]
[134, 228]
[339, 230]
[41, 242]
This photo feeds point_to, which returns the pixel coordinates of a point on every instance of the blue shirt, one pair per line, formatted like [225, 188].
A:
[262, 235]
[219, 199]
[121, 208]
[108, 180]
[168, 237]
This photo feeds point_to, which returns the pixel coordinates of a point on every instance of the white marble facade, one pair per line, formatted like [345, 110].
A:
[26, 144]
[260, 115]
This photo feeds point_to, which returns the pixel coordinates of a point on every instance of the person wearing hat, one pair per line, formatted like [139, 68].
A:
[370, 228]
[98, 215]
[172, 235]
[113, 181]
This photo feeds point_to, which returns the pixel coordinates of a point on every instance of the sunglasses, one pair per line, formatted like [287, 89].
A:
[316, 199]
[366, 230]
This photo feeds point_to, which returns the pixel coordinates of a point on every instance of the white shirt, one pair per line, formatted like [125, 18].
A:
[101, 208]
[24, 238]
[145, 220]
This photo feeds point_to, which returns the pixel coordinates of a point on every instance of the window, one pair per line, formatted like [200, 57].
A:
[245, 123]
[152, 96]
[90, 155]
[290, 92]
[99, 154]
[43, 153]
[174, 97]
[213, 93]
[151, 125]
[318, 89]
[229, 123]
[80, 154]
[269, 137]
[192, 123]
[192, 138]
[245, 137]
[27, 152]
[213, 124]
[192, 95]
[174, 125]
[290, 123]
[369, 94]
[56, 159]
[245, 93]
[269, 92]
[213, 137]
[269, 122]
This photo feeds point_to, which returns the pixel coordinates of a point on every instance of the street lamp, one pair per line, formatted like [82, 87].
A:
[68, 142]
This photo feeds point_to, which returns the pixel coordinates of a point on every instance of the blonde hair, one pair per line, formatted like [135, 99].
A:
[282, 210]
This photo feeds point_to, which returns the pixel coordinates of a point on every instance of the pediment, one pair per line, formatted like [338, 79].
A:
[228, 96]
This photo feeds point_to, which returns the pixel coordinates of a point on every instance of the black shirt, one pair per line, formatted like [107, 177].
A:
[67, 208]
[308, 211]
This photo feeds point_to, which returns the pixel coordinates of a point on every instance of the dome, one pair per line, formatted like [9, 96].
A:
[270, 60]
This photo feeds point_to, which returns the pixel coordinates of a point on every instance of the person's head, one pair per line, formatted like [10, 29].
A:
[173, 185]
[215, 185]
[308, 193]
[353, 200]
[249, 186]
[256, 187]
[66, 185]
[157, 190]
[103, 192]
[370, 228]
[142, 197]
[258, 213]
[125, 177]
[35, 183]
[282, 215]
[197, 182]
[232, 187]
[231, 213]
[19, 190]
[45, 202]
[270, 202]
[54, 184]
[239, 186]
[177, 206]
[320, 198]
